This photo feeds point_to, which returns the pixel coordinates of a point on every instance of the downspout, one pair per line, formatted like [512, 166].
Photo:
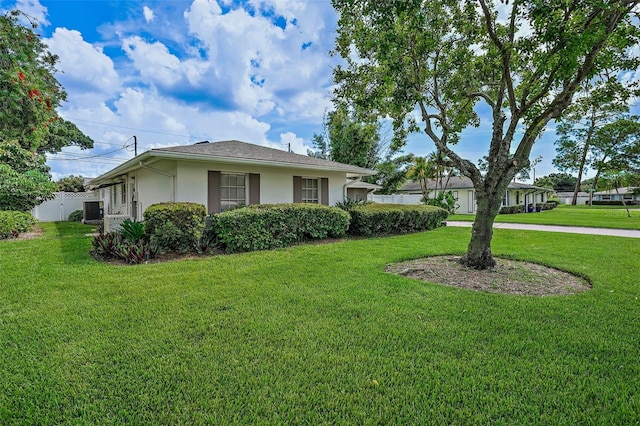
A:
[344, 187]
[163, 173]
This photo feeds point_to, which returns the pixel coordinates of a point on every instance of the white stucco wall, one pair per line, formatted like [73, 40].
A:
[191, 181]
[153, 187]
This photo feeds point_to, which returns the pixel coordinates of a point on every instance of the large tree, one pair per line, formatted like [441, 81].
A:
[29, 123]
[392, 172]
[346, 140]
[451, 60]
[601, 101]
[616, 148]
[558, 181]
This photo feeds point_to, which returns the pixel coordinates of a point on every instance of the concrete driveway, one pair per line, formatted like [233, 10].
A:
[629, 233]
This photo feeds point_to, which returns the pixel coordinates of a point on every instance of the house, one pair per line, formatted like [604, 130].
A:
[566, 197]
[222, 175]
[620, 194]
[360, 191]
[465, 194]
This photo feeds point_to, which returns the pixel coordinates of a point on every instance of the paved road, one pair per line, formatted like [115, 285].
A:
[630, 233]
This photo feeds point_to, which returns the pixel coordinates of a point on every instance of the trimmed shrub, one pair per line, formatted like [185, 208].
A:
[76, 216]
[613, 203]
[268, 226]
[13, 223]
[387, 219]
[511, 209]
[175, 226]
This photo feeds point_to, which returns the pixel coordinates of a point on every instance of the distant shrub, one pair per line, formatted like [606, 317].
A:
[267, 226]
[387, 219]
[13, 223]
[613, 203]
[175, 226]
[349, 203]
[511, 209]
[76, 216]
[549, 205]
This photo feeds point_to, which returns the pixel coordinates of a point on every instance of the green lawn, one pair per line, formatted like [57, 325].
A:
[595, 217]
[315, 334]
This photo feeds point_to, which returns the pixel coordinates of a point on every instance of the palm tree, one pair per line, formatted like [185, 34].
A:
[422, 170]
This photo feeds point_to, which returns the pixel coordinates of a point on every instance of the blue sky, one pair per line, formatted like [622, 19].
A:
[175, 72]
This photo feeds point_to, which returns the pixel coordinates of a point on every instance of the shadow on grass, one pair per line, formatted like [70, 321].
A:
[74, 243]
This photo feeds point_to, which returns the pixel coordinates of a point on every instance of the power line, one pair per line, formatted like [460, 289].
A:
[138, 129]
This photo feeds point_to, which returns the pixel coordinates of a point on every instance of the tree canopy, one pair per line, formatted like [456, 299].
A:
[557, 181]
[29, 123]
[71, 184]
[445, 62]
[348, 141]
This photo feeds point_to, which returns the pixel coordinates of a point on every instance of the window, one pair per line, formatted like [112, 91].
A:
[123, 194]
[310, 189]
[233, 191]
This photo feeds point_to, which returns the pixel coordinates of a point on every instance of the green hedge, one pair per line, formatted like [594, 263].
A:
[613, 203]
[267, 226]
[511, 209]
[175, 226]
[13, 223]
[387, 219]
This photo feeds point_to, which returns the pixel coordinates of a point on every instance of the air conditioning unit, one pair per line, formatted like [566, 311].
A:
[112, 222]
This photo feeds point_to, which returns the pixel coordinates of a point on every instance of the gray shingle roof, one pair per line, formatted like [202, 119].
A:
[247, 151]
[458, 182]
[234, 152]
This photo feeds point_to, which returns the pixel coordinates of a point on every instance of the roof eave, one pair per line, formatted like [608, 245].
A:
[134, 164]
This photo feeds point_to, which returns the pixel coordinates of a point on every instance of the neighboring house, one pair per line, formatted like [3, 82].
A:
[566, 197]
[222, 175]
[465, 194]
[359, 191]
[619, 194]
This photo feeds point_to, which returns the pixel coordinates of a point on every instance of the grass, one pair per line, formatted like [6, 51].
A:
[594, 217]
[315, 334]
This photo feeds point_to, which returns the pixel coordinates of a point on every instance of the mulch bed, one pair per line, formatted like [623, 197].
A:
[508, 277]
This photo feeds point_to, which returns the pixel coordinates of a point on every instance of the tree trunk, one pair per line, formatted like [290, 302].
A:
[583, 161]
[479, 250]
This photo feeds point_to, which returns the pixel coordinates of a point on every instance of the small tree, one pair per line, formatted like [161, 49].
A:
[71, 184]
[434, 61]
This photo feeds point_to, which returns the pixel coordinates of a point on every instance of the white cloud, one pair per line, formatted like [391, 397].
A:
[33, 9]
[82, 63]
[157, 122]
[149, 16]
[263, 63]
[156, 64]
[294, 143]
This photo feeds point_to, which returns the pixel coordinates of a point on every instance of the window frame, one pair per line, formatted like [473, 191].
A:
[305, 189]
[226, 202]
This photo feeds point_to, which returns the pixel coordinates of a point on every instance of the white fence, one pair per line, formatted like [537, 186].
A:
[396, 198]
[62, 205]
